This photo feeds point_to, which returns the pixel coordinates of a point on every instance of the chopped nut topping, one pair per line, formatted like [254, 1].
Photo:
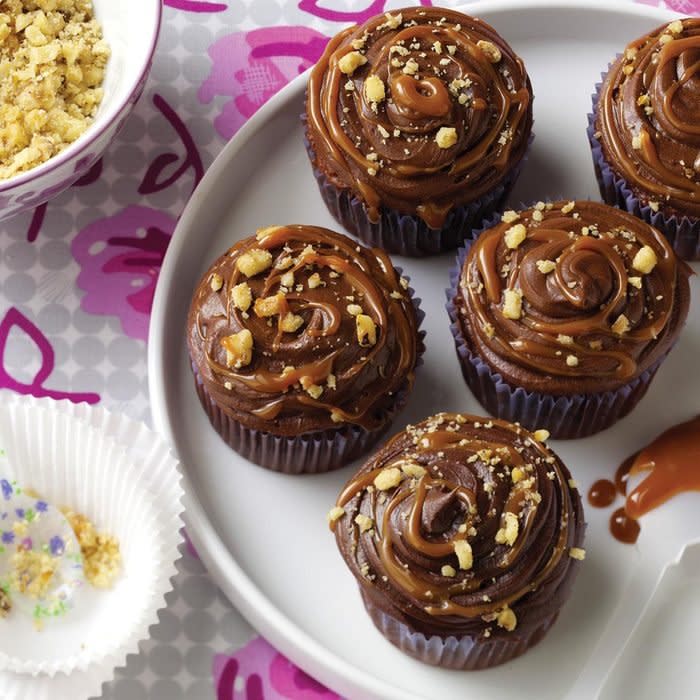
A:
[448, 571]
[675, 27]
[463, 550]
[571, 361]
[270, 306]
[392, 21]
[517, 474]
[239, 348]
[546, 266]
[510, 216]
[354, 309]
[565, 339]
[313, 390]
[537, 215]
[351, 61]
[452, 49]
[621, 325]
[290, 323]
[365, 523]
[489, 330]
[645, 260]
[413, 470]
[242, 296]
[512, 303]
[314, 280]
[568, 207]
[366, 330]
[446, 136]
[374, 89]
[411, 67]
[331, 382]
[490, 50]
[335, 514]
[636, 142]
[336, 417]
[388, 478]
[217, 282]
[595, 344]
[635, 282]
[541, 435]
[515, 235]
[577, 553]
[509, 533]
[654, 205]
[507, 619]
[287, 279]
[254, 262]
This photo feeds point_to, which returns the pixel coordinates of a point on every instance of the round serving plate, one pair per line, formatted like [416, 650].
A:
[263, 535]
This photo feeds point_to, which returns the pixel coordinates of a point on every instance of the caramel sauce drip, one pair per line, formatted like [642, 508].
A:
[489, 105]
[658, 102]
[572, 309]
[672, 461]
[285, 363]
[459, 461]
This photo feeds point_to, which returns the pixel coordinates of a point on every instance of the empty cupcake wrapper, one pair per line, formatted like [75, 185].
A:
[406, 234]
[565, 417]
[460, 653]
[309, 453]
[683, 233]
[122, 477]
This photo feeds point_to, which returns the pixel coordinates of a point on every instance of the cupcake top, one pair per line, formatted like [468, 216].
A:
[420, 110]
[647, 119]
[299, 329]
[571, 297]
[462, 525]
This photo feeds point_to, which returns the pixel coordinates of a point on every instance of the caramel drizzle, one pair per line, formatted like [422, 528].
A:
[537, 348]
[622, 118]
[424, 106]
[437, 597]
[360, 269]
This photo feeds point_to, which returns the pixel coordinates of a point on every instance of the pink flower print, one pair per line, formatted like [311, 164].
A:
[259, 672]
[120, 258]
[687, 7]
[314, 7]
[17, 321]
[195, 5]
[250, 67]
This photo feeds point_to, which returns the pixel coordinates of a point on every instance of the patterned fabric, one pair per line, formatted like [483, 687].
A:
[77, 278]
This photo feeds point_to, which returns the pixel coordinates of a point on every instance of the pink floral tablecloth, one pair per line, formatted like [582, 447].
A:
[77, 278]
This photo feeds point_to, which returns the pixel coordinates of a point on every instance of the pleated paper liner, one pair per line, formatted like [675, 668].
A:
[122, 477]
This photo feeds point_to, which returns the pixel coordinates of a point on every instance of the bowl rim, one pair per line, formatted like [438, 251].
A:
[98, 126]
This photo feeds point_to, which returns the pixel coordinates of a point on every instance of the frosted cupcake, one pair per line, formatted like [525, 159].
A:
[465, 536]
[562, 314]
[644, 133]
[304, 346]
[417, 123]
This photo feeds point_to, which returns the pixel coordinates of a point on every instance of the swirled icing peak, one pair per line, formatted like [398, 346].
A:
[419, 110]
[462, 524]
[647, 118]
[571, 297]
[300, 329]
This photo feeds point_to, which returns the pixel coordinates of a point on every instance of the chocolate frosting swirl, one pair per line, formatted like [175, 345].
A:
[452, 115]
[457, 521]
[602, 297]
[647, 119]
[332, 324]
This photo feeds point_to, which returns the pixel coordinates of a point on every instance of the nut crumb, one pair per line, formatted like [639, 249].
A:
[388, 478]
[446, 137]
[577, 553]
[364, 522]
[490, 50]
[463, 550]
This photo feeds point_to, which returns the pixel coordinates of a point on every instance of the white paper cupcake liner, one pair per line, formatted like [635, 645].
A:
[123, 478]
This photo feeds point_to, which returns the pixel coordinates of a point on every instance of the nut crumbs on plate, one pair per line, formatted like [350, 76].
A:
[101, 555]
[52, 65]
[5, 603]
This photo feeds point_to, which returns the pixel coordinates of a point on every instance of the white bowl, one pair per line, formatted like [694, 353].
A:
[131, 29]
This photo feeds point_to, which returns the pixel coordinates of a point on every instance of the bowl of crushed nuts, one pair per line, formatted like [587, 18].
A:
[70, 73]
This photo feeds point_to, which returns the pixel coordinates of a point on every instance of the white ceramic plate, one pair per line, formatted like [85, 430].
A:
[263, 535]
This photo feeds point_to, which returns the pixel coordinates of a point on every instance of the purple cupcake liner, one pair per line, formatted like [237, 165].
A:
[682, 232]
[308, 453]
[565, 417]
[406, 234]
[465, 653]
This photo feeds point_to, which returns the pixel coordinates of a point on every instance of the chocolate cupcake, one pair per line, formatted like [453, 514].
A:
[465, 537]
[303, 346]
[644, 133]
[563, 313]
[417, 124]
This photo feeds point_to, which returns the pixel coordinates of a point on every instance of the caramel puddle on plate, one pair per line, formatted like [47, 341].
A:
[672, 461]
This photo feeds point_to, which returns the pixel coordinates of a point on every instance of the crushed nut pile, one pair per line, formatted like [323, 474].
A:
[52, 65]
